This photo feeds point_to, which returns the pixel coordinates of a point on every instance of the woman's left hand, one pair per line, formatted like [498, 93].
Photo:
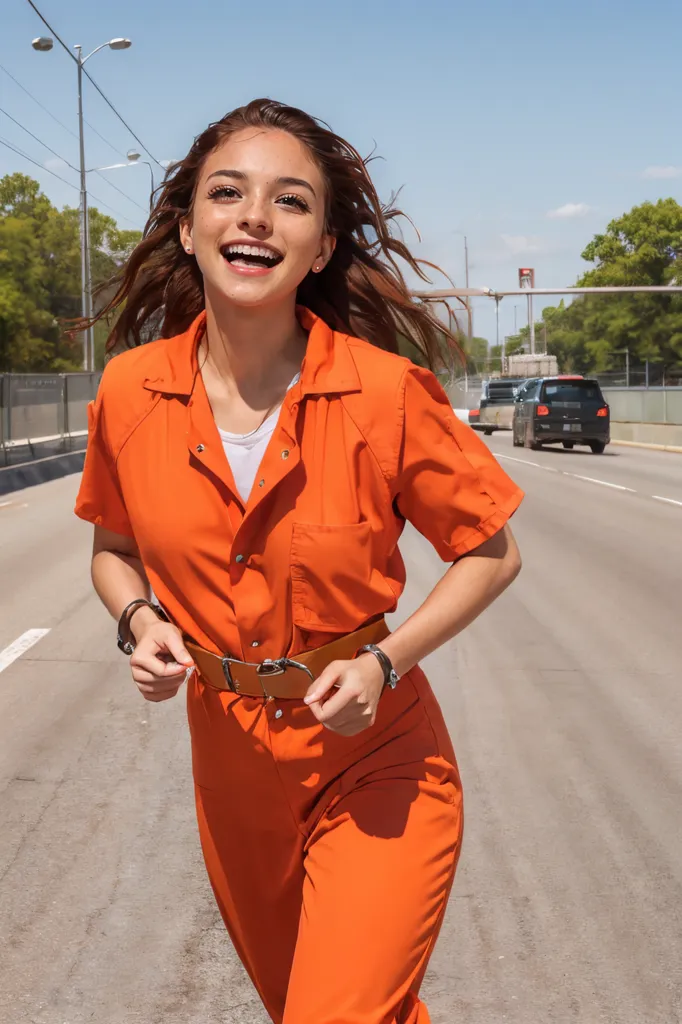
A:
[353, 706]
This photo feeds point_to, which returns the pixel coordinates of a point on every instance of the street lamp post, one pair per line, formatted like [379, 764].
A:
[133, 161]
[43, 44]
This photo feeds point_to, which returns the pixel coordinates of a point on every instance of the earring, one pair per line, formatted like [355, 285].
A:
[317, 268]
[188, 248]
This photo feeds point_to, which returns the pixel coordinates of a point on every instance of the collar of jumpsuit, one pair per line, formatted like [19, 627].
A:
[363, 441]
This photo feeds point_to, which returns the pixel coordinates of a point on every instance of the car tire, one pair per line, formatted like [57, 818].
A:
[568, 445]
[488, 433]
[597, 447]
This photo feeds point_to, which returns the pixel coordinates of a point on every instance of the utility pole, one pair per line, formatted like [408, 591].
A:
[86, 290]
[470, 317]
[527, 281]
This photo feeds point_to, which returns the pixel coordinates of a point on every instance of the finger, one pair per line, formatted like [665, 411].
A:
[154, 663]
[141, 675]
[177, 648]
[324, 683]
[343, 700]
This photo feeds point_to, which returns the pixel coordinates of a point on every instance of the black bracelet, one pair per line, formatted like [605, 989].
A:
[391, 677]
[124, 640]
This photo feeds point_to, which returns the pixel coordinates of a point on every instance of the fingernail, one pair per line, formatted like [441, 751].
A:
[309, 700]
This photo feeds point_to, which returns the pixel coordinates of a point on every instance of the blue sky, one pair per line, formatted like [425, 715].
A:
[491, 115]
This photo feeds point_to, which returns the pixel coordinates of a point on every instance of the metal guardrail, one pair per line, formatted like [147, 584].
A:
[43, 413]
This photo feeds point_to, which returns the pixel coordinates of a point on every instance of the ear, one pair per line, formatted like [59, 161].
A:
[326, 251]
[186, 236]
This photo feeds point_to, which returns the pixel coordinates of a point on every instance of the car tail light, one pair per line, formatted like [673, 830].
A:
[474, 412]
[542, 410]
[604, 411]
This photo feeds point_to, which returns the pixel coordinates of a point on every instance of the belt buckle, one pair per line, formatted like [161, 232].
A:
[227, 672]
[267, 667]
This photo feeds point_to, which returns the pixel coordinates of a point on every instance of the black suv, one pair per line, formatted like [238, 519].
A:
[561, 410]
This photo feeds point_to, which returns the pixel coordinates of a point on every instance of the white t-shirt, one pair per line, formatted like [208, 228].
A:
[245, 451]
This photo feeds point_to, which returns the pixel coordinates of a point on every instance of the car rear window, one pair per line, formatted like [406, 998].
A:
[571, 391]
[503, 392]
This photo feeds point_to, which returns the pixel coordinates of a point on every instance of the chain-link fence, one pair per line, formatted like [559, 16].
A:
[43, 414]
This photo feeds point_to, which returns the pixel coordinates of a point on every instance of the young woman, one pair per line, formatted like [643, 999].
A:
[254, 469]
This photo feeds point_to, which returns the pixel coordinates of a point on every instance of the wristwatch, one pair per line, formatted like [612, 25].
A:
[391, 677]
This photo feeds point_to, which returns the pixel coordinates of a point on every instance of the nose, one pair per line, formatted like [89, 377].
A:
[255, 216]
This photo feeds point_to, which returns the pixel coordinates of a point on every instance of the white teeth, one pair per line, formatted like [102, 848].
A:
[252, 250]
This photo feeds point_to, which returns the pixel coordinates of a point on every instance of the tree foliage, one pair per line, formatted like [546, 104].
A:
[589, 335]
[40, 284]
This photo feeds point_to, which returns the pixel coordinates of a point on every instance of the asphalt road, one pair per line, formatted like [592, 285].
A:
[565, 705]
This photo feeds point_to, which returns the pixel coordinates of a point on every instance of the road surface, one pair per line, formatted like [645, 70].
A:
[565, 704]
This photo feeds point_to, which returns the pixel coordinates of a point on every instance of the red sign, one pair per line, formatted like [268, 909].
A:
[526, 277]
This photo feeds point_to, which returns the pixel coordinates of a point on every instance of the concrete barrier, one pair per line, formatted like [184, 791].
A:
[665, 436]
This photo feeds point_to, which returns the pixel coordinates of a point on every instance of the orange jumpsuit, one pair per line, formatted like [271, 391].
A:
[331, 858]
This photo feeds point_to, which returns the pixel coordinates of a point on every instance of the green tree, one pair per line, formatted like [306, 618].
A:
[40, 284]
[643, 247]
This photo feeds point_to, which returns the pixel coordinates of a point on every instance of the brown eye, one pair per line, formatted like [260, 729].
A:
[294, 201]
[224, 192]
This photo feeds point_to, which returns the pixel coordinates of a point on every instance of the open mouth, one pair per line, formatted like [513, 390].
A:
[251, 256]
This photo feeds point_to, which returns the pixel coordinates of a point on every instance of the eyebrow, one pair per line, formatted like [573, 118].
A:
[241, 176]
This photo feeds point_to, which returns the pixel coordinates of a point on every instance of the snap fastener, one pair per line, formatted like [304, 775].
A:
[261, 483]
[285, 453]
[255, 643]
[200, 448]
[239, 558]
[278, 713]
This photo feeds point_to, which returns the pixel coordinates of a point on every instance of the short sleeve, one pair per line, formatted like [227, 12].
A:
[448, 484]
[100, 500]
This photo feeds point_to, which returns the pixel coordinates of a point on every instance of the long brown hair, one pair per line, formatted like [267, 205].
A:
[361, 291]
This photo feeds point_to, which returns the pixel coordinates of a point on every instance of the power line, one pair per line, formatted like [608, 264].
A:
[100, 202]
[44, 144]
[57, 37]
[42, 106]
[20, 152]
[109, 144]
[54, 118]
[120, 190]
[121, 119]
[64, 160]
[92, 80]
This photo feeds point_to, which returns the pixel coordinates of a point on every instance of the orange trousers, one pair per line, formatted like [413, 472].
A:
[331, 858]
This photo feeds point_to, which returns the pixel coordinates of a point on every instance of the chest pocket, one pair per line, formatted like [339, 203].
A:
[336, 585]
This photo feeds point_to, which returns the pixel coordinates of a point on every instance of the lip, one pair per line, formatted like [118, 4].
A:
[254, 271]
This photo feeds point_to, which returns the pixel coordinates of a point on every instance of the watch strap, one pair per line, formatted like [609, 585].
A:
[391, 677]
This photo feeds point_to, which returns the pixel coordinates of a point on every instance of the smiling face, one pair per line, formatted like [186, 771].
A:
[257, 226]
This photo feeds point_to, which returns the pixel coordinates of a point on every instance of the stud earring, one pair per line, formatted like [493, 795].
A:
[188, 248]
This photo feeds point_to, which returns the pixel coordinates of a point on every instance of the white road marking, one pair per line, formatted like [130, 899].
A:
[4, 504]
[671, 501]
[20, 646]
[13, 504]
[588, 479]
[604, 483]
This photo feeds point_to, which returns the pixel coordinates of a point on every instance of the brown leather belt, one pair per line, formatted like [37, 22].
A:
[285, 677]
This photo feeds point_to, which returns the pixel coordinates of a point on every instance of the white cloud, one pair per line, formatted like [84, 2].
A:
[569, 210]
[662, 172]
[519, 245]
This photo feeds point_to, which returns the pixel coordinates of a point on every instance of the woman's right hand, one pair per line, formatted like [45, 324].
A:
[160, 661]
